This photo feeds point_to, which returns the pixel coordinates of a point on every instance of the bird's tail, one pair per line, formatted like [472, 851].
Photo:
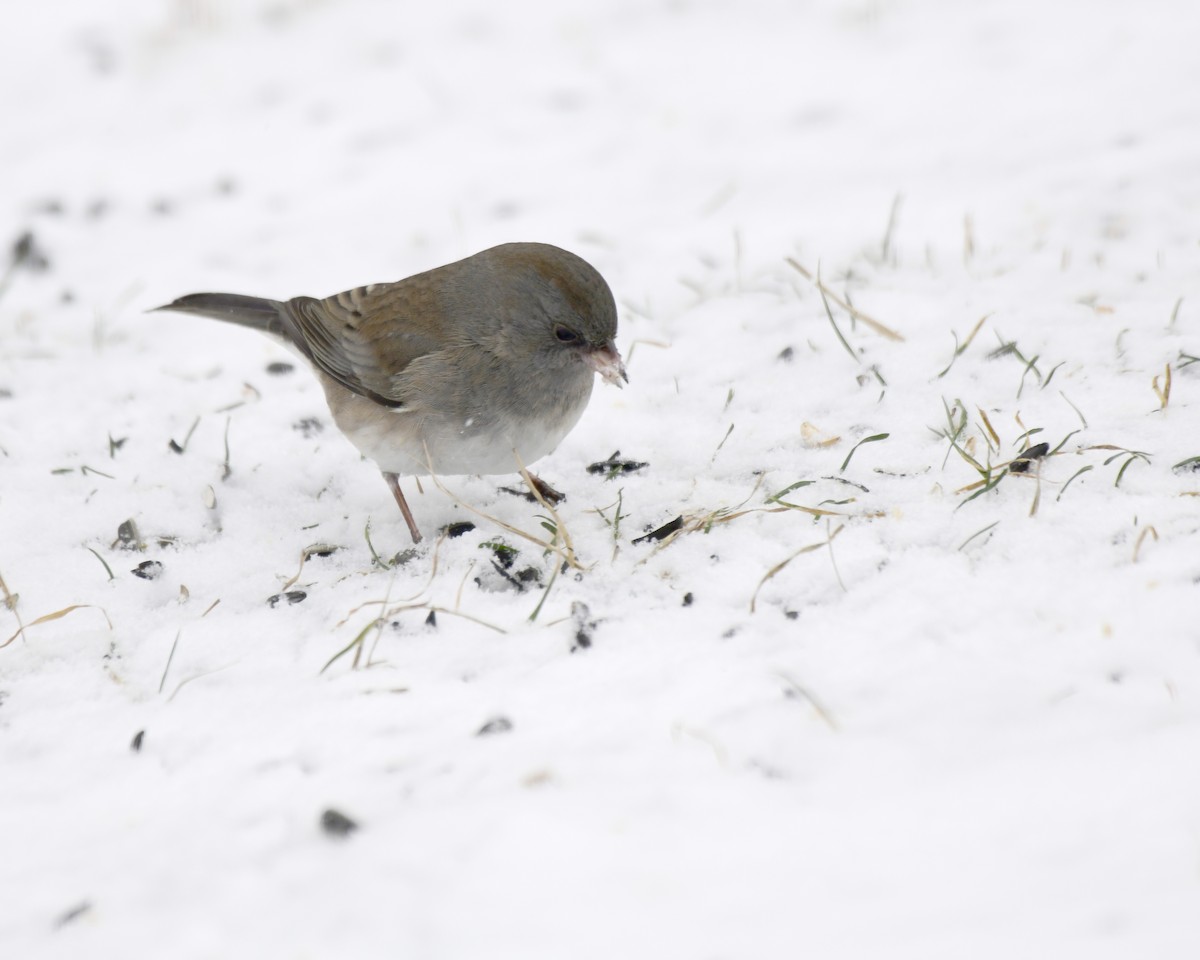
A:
[258, 313]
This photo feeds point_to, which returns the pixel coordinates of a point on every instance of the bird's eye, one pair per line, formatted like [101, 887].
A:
[565, 334]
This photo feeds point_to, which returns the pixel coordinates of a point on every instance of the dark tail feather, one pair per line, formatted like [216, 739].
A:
[256, 312]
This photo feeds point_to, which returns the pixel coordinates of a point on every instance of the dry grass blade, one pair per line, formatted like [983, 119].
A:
[990, 481]
[1132, 455]
[779, 567]
[661, 344]
[356, 645]
[778, 497]
[832, 559]
[1077, 473]
[1137, 547]
[1164, 392]
[811, 511]
[992, 436]
[797, 691]
[1078, 412]
[10, 603]
[226, 469]
[567, 553]
[378, 623]
[1062, 443]
[57, 615]
[690, 523]
[170, 656]
[433, 569]
[1053, 370]
[560, 528]
[833, 323]
[1175, 313]
[961, 348]
[312, 550]
[853, 311]
[1037, 491]
[713, 458]
[545, 593]
[199, 676]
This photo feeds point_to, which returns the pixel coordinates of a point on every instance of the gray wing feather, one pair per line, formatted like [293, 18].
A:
[360, 338]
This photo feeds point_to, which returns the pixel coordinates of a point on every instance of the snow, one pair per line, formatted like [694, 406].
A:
[912, 726]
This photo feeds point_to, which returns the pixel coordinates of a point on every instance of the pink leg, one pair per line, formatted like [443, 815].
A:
[393, 483]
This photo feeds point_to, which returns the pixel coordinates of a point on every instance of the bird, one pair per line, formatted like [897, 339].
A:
[480, 366]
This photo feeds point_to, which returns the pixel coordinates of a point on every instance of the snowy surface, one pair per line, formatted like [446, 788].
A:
[897, 722]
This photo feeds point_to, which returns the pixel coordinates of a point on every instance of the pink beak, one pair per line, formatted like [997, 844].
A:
[606, 361]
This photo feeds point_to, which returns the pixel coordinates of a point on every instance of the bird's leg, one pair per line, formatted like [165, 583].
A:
[393, 482]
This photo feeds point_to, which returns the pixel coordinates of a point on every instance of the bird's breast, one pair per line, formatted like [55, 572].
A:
[491, 438]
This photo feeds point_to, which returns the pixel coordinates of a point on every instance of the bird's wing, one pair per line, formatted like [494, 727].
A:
[366, 337]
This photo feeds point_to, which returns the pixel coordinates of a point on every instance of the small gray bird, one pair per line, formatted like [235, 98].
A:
[476, 367]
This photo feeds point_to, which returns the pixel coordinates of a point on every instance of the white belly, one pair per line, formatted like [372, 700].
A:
[409, 443]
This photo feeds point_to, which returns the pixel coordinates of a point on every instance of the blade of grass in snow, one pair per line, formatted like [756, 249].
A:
[1077, 473]
[960, 349]
[873, 439]
[857, 314]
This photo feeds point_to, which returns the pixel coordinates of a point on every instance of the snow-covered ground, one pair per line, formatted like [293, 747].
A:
[845, 711]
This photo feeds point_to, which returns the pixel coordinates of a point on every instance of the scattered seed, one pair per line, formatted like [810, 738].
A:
[291, 596]
[148, 570]
[175, 447]
[28, 254]
[584, 628]
[688, 599]
[614, 467]
[136, 744]
[334, 823]
[505, 555]
[309, 426]
[494, 726]
[668, 528]
[73, 914]
[1025, 458]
